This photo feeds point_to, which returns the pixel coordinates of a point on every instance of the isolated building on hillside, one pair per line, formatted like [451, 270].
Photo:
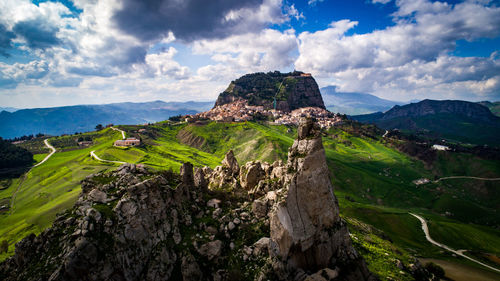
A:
[440, 147]
[128, 142]
[85, 143]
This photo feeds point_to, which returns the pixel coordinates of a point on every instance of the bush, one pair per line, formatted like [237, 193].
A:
[4, 246]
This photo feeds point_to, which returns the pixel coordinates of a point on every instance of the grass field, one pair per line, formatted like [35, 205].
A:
[47, 190]
[372, 181]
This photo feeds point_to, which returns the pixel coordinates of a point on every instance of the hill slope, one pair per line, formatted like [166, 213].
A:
[71, 119]
[453, 120]
[493, 106]
[354, 103]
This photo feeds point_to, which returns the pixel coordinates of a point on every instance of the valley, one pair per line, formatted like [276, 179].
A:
[373, 181]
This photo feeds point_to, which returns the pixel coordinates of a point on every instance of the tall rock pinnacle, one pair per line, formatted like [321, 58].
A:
[307, 233]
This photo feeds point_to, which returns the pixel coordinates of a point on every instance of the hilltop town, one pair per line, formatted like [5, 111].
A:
[241, 111]
[281, 98]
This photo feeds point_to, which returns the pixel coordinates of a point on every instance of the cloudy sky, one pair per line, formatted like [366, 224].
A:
[68, 52]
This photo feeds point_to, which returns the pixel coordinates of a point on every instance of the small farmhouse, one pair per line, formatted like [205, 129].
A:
[128, 142]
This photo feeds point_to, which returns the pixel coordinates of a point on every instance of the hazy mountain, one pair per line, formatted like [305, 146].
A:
[493, 106]
[449, 119]
[354, 103]
[8, 109]
[80, 118]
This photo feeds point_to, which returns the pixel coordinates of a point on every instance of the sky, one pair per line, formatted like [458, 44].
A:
[67, 52]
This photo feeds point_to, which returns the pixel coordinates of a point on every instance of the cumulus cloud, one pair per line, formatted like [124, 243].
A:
[413, 54]
[37, 33]
[268, 50]
[163, 64]
[5, 40]
[195, 19]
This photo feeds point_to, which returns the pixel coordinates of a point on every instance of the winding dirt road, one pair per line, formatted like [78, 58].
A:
[13, 198]
[425, 228]
[53, 150]
[121, 131]
[93, 155]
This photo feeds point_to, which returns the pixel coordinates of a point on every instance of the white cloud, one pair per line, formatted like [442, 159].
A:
[314, 2]
[268, 50]
[410, 59]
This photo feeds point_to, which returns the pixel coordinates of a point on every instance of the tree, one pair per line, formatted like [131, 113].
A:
[99, 127]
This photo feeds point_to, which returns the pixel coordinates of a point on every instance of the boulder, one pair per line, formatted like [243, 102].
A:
[211, 249]
[190, 269]
[250, 175]
[259, 207]
[231, 163]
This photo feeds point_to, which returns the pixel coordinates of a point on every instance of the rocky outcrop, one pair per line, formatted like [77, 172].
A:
[225, 176]
[289, 90]
[307, 233]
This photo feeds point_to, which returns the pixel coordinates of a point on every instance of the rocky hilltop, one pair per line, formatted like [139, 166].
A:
[432, 107]
[451, 120]
[288, 90]
[257, 221]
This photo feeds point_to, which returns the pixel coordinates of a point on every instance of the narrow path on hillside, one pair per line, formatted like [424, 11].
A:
[425, 228]
[52, 151]
[121, 131]
[13, 198]
[466, 177]
[93, 155]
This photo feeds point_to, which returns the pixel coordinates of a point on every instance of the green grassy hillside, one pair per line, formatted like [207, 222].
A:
[374, 182]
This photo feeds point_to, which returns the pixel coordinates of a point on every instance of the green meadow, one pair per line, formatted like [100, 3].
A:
[373, 181]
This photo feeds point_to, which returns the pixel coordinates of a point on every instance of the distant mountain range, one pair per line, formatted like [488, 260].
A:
[454, 120]
[8, 109]
[354, 103]
[81, 118]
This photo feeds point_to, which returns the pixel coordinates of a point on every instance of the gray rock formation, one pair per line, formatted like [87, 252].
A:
[262, 89]
[250, 175]
[307, 233]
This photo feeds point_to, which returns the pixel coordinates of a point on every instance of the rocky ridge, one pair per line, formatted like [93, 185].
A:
[258, 221]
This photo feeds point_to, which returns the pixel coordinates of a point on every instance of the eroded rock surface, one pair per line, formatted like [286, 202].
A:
[307, 233]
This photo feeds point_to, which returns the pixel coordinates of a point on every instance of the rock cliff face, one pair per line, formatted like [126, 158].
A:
[290, 90]
[307, 233]
[256, 222]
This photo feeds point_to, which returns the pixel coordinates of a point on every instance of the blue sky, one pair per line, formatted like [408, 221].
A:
[55, 53]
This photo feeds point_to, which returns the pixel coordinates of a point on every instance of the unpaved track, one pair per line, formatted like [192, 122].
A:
[53, 150]
[121, 131]
[13, 198]
[458, 253]
[93, 155]
[466, 177]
